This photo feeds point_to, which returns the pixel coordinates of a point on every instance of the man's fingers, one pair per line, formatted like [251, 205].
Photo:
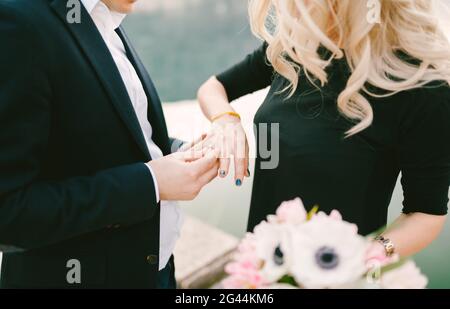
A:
[209, 175]
[190, 145]
[207, 143]
[191, 155]
[204, 164]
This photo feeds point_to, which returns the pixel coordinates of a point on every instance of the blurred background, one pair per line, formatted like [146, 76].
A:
[182, 43]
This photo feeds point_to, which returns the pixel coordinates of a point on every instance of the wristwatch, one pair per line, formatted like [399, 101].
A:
[387, 244]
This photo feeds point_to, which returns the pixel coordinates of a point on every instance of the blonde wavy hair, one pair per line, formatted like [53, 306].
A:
[295, 29]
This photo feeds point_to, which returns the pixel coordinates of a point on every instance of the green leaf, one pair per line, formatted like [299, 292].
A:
[393, 266]
[288, 280]
[312, 212]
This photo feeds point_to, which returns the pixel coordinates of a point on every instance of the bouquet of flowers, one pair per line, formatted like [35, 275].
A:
[295, 249]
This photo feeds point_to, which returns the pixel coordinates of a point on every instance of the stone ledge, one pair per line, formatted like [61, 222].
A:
[201, 254]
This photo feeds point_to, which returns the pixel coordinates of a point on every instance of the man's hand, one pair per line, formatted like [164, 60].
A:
[182, 175]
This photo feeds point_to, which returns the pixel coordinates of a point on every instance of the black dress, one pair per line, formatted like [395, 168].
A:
[357, 175]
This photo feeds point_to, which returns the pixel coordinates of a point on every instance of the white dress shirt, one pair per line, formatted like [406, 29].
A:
[107, 22]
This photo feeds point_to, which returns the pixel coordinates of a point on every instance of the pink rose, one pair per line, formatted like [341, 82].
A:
[250, 281]
[233, 282]
[243, 276]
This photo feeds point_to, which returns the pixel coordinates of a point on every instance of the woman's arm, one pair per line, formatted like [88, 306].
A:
[227, 133]
[214, 96]
[423, 155]
[411, 233]
[213, 99]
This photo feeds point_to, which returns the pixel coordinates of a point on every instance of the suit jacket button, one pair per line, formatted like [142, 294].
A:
[152, 259]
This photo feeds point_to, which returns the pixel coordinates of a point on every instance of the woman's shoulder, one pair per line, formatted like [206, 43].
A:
[434, 96]
[426, 108]
[436, 89]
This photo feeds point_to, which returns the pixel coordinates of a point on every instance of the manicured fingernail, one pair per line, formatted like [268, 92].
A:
[222, 173]
[248, 173]
[238, 182]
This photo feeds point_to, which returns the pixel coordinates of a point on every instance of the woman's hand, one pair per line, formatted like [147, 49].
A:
[227, 133]
[228, 137]
[376, 256]
[410, 234]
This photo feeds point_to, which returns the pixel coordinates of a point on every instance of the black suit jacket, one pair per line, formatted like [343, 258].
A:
[73, 180]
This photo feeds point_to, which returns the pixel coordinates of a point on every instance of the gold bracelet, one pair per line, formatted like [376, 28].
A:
[234, 114]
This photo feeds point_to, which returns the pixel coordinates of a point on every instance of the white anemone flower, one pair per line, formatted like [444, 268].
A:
[327, 253]
[281, 286]
[272, 247]
[290, 212]
[407, 276]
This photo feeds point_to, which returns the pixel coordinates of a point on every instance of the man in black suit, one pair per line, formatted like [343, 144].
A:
[86, 170]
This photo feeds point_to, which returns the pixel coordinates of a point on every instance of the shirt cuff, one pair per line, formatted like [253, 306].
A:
[155, 182]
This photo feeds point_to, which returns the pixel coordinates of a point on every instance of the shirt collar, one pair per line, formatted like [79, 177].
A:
[101, 13]
[90, 4]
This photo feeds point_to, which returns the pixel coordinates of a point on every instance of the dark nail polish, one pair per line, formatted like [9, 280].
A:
[238, 182]
[248, 173]
[222, 174]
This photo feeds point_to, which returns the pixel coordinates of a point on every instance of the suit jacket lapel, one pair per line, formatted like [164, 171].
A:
[155, 111]
[95, 49]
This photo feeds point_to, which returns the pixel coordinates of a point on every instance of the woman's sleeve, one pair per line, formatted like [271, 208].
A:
[424, 151]
[252, 74]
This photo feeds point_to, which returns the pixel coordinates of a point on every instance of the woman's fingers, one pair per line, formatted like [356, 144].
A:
[224, 167]
[231, 141]
[224, 156]
[240, 171]
[240, 158]
[247, 161]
